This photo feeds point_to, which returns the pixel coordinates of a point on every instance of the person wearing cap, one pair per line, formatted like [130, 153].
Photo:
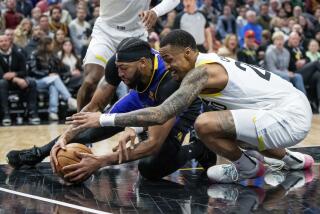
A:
[143, 70]
[251, 25]
[248, 53]
[117, 20]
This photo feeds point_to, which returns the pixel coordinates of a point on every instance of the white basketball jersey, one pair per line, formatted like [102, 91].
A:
[248, 87]
[123, 13]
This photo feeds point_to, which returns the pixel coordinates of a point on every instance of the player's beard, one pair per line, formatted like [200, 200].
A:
[136, 83]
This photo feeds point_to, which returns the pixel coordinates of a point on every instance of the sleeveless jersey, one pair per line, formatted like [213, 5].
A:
[248, 87]
[123, 14]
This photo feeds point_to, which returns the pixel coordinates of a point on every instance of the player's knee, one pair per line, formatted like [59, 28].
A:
[93, 72]
[202, 125]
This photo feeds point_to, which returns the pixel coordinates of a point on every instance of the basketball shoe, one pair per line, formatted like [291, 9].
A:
[29, 157]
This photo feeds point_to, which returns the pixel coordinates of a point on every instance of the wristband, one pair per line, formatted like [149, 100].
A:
[107, 119]
[137, 130]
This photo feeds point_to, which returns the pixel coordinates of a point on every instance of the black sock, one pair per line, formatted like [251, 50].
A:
[45, 150]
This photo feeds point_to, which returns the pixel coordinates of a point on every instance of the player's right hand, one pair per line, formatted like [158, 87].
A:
[128, 135]
[60, 144]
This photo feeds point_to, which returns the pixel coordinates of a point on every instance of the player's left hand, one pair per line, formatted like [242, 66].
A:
[79, 172]
[149, 18]
[84, 120]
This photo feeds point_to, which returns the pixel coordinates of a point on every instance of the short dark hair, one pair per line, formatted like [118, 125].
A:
[132, 49]
[179, 38]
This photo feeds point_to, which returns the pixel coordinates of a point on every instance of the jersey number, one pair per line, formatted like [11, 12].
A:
[260, 71]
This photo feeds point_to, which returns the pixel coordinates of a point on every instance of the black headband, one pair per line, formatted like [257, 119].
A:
[133, 54]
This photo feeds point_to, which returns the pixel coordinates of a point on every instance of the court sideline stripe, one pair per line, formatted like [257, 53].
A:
[54, 201]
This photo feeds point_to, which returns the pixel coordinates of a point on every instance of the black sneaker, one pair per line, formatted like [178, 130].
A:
[29, 157]
[207, 157]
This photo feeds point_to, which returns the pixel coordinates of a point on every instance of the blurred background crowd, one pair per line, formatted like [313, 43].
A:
[43, 43]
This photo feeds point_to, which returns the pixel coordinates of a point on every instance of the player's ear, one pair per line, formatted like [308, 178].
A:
[143, 62]
[187, 52]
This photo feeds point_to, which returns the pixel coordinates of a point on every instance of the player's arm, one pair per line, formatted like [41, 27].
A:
[193, 83]
[149, 17]
[90, 163]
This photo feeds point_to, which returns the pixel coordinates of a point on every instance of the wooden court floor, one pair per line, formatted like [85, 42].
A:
[21, 137]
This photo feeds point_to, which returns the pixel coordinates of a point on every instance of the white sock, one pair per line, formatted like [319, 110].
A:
[292, 158]
[245, 163]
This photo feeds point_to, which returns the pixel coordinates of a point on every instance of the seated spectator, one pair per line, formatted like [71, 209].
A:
[13, 77]
[10, 34]
[58, 40]
[22, 33]
[251, 25]
[44, 25]
[313, 50]
[24, 7]
[37, 33]
[277, 61]
[248, 53]
[264, 18]
[310, 71]
[35, 14]
[226, 23]
[55, 21]
[241, 18]
[80, 30]
[261, 51]
[45, 69]
[11, 16]
[72, 78]
[230, 47]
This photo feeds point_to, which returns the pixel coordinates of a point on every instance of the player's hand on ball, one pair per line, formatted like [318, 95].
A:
[149, 18]
[129, 135]
[79, 172]
[60, 144]
[84, 120]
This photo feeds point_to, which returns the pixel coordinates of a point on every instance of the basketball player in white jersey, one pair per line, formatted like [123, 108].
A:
[117, 20]
[258, 108]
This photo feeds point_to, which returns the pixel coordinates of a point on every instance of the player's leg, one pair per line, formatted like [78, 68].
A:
[101, 48]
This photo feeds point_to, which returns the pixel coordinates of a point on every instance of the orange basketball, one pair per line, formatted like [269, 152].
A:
[68, 157]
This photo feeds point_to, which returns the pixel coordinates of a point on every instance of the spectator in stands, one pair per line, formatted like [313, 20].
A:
[226, 23]
[55, 23]
[44, 25]
[45, 68]
[248, 53]
[308, 28]
[264, 18]
[274, 8]
[13, 76]
[299, 63]
[24, 7]
[23, 33]
[35, 14]
[230, 47]
[80, 30]
[261, 51]
[58, 40]
[95, 15]
[251, 25]
[11, 16]
[10, 34]
[37, 33]
[313, 50]
[65, 16]
[73, 76]
[241, 18]
[216, 44]
[70, 6]
[200, 31]
[277, 61]
[287, 6]
[209, 11]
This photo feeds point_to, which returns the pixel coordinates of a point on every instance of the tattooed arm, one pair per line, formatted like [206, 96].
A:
[191, 86]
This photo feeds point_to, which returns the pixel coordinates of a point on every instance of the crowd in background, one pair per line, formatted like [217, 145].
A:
[43, 43]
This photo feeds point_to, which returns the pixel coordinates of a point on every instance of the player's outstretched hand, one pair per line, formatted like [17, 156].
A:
[129, 135]
[79, 172]
[60, 144]
[149, 18]
[84, 120]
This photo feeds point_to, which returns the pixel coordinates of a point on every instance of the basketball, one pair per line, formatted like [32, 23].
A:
[68, 156]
